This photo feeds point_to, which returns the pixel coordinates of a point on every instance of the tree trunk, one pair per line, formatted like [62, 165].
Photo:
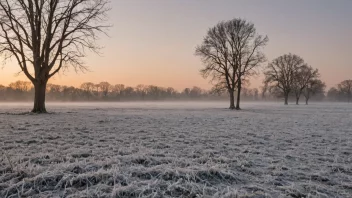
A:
[286, 99]
[39, 97]
[307, 97]
[239, 87]
[297, 100]
[232, 99]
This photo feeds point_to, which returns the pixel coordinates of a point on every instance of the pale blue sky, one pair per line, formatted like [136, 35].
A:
[153, 41]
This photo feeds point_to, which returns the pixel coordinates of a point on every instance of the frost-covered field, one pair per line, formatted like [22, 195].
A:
[176, 150]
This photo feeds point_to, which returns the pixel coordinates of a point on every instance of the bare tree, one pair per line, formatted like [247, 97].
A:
[196, 92]
[118, 89]
[53, 91]
[345, 88]
[314, 86]
[245, 47]
[88, 88]
[186, 91]
[230, 51]
[46, 36]
[21, 86]
[215, 55]
[302, 77]
[281, 73]
[263, 91]
[255, 94]
[105, 88]
[333, 94]
[171, 92]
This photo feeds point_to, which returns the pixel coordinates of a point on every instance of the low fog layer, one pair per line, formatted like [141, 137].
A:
[205, 105]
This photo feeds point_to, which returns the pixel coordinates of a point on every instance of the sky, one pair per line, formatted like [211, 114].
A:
[153, 41]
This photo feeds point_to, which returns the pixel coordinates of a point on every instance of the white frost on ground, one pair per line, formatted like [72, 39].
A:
[176, 150]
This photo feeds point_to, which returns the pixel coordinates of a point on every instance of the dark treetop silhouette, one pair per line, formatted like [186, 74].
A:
[45, 36]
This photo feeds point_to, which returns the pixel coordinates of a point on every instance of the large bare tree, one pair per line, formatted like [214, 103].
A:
[281, 73]
[303, 76]
[246, 46]
[230, 51]
[46, 36]
[215, 55]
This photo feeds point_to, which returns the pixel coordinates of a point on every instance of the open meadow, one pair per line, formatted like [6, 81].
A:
[171, 149]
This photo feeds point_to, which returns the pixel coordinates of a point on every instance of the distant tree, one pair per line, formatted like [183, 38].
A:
[21, 86]
[314, 86]
[87, 88]
[118, 90]
[71, 93]
[263, 91]
[186, 91]
[230, 51]
[2, 92]
[345, 88]
[97, 89]
[153, 92]
[333, 94]
[105, 88]
[303, 76]
[281, 73]
[255, 94]
[54, 91]
[171, 92]
[246, 92]
[128, 91]
[45, 36]
[196, 92]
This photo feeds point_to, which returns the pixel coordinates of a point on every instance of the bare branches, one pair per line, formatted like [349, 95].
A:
[230, 53]
[50, 34]
[231, 49]
[303, 77]
[314, 86]
[282, 71]
[289, 73]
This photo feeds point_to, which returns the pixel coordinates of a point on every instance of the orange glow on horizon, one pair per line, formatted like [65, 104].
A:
[151, 43]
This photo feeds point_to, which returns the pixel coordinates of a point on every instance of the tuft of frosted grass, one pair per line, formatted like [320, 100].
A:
[262, 151]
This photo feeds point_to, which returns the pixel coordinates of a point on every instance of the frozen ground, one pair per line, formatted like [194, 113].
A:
[176, 150]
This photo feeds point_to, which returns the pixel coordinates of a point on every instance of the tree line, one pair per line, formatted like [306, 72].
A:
[104, 91]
